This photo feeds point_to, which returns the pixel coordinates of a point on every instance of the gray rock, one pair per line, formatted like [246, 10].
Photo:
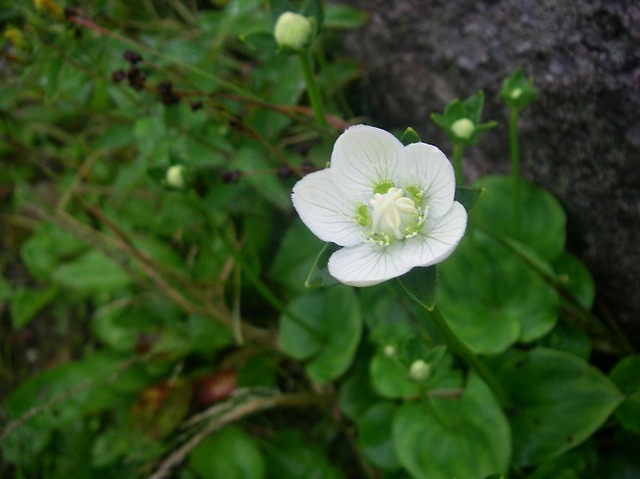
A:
[581, 139]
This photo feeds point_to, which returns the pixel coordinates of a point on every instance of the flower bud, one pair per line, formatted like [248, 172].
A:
[419, 370]
[389, 350]
[463, 128]
[175, 177]
[293, 32]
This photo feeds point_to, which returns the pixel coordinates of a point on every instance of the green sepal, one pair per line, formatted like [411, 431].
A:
[410, 136]
[278, 7]
[260, 41]
[469, 196]
[421, 284]
[319, 276]
[518, 82]
[315, 12]
[469, 109]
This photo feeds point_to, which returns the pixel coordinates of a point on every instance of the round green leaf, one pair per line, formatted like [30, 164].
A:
[356, 395]
[558, 401]
[542, 219]
[290, 456]
[374, 435]
[491, 298]
[466, 437]
[626, 376]
[295, 258]
[390, 378]
[574, 275]
[231, 453]
[323, 326]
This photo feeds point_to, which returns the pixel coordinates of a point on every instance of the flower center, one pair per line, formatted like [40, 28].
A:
[394, 216]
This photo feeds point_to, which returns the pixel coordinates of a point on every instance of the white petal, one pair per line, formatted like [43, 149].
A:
[325, 210]
[363, 157]
[367, 264]
[426, 167]
[437, 239]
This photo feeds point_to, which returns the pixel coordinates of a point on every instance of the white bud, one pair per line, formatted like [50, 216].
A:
[293, 31]
[419, 370]
[515, 94]
[389, 350]
[175, 176]
[463, 128]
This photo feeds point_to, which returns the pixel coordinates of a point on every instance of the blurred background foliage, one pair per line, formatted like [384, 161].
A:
[129, 304]
[154, 318]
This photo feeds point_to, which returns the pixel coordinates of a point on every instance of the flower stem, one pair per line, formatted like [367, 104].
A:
[457, 163]
[312, 89]
[462, 350]
[515, 167]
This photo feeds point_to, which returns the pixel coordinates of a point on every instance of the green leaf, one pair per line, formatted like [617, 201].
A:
[409, 136]
[542, 219]
[390, 378]
[230, 454]
[324, 327]
[47, 248]
[469, 197]
[625, 376]
[26, 303]
[290, 456]
[356, 394]
[341, 16]
[465, 438]
[568, 337]
[91, 273]
[260, 41]
[558, 401]
[295, 259]
[576, 278]
[374, 435]
[319, 276]
[491, 298]
[421, 284]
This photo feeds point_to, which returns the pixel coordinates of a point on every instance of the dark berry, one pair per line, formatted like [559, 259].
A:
[132, 57]
[284, 172]
[231, 176]
[118, 75]
[136, 78]
[307, 167]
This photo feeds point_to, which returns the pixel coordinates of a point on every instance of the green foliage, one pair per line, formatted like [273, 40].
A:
[229, 453]
[469, 436]
[152, 323]
[324, 327]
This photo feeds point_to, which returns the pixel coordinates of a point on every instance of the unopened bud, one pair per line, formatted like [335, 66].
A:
[175, 177]
[419, 370]
[463, 128]
[515, 94]
[389, 350]
[293, 32]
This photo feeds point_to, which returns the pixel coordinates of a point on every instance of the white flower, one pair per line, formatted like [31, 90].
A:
[390, 206]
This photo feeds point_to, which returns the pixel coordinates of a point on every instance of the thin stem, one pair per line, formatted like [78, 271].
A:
[513, 143]
[462, 350]
[312, 90]
[515, 168]
[457, 163]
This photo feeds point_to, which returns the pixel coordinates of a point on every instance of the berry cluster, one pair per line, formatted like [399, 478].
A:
[136, 77]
